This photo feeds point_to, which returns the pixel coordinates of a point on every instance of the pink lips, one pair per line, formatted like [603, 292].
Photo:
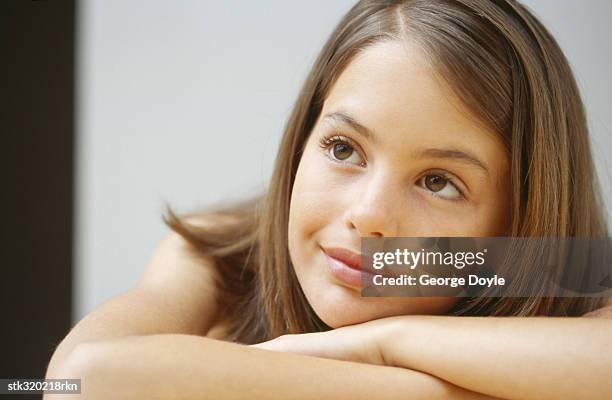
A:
[345, 266]
[349, 258]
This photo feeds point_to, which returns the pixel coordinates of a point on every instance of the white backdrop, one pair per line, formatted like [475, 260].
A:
[184, 102]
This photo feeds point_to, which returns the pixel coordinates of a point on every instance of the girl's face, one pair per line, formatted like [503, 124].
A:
[393, 153]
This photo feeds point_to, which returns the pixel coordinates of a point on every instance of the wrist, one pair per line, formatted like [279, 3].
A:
[401, 342]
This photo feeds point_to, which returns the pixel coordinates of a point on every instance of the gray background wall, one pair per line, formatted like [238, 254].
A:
[184, 102]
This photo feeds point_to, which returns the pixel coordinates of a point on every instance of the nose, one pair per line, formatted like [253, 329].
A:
[374, 209]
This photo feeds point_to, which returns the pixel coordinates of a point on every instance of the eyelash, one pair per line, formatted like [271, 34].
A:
[326, 142]
[450, 179]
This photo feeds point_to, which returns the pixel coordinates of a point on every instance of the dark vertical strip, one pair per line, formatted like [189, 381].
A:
[36, 127]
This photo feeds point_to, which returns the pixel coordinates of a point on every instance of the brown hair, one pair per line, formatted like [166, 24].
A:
[508, 70]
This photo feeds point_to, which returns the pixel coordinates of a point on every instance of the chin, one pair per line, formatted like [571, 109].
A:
[338, 320]
[340, 306]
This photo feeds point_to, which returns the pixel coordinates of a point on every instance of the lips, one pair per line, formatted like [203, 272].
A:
[345, 266]
[353, 260]
[348, 257]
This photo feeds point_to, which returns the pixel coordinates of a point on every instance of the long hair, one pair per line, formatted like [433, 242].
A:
[507, 69]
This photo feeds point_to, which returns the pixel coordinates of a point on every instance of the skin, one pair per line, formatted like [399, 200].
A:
[517, 358]
[375, 185]
[156, 341]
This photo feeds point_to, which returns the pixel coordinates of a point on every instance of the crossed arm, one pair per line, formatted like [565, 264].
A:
[407, 357]
[507, 357]
[192, 367]
[149, 343]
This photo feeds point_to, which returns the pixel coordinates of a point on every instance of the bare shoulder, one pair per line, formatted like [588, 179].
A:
[177, 274]
[176, 294]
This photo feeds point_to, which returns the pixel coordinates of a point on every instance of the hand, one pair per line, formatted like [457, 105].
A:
[358, 343]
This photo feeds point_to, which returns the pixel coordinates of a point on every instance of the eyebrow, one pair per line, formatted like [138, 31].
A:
[453, 154]
[343, 117]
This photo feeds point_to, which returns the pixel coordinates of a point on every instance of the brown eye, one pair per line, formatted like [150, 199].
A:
[435, 183]
[342, 151]
[439, 185]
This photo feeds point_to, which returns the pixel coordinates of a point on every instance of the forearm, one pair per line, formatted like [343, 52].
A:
[186, 366]
[513, 358]
[136, 312]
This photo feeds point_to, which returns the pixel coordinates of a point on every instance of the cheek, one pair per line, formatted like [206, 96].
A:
[481, 221]
[486, 216]
[311, 206]
[492, 217]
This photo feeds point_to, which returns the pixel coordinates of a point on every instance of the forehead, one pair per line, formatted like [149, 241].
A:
[393, 89]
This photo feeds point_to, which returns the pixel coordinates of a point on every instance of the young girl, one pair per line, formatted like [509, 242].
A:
[419, 118]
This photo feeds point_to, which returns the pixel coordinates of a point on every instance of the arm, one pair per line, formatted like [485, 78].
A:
[513, 358]
[193, 367]
[147, 343]
[175, 295]
[508, 357]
